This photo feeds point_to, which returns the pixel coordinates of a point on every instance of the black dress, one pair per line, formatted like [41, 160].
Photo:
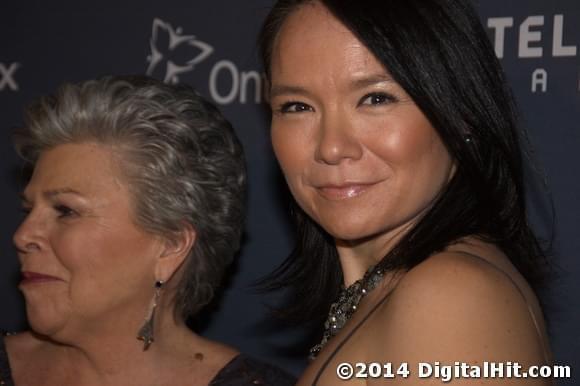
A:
[240, 371]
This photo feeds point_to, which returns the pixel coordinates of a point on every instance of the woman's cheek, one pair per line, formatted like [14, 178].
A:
[288, 149]
[399, 145]
[74, 245]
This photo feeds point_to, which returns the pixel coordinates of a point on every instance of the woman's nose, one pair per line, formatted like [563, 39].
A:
[337, 141]
[29, 236]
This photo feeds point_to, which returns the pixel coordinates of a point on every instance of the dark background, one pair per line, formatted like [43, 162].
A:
[44, 44]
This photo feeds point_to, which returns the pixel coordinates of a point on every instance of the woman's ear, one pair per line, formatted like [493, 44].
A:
[175, 251]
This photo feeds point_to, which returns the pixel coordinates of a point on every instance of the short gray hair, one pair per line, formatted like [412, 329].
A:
[182, 159]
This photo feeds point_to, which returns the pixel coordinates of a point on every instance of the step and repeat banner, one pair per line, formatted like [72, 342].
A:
[211, 45]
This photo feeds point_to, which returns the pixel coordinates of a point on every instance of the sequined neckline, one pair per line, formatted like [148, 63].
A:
[346, 305]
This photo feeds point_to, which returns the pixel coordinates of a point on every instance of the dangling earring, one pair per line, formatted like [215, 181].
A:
[146, 332]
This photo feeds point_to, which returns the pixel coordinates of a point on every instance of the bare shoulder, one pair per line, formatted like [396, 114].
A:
[455, 306]
[453, 280]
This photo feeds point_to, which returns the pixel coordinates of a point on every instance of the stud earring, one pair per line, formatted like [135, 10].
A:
[468, 139]
[146, 332]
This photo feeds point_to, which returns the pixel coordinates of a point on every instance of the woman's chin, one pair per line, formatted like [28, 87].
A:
[348, 234]
[43, 322]
[350, 225]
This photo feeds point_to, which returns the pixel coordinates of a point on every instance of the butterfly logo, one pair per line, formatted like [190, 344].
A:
[178, 52]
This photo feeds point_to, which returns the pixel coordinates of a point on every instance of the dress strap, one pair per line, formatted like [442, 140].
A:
[547, 356]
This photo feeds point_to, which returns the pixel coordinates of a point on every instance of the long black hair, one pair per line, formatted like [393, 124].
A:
[439, 53]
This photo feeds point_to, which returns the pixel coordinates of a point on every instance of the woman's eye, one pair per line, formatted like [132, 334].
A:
[294, 107]
[25, 211]
[376, 99]
[64, 211]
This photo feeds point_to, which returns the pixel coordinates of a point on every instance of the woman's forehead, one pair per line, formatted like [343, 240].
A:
[82, 167]
[316, 51]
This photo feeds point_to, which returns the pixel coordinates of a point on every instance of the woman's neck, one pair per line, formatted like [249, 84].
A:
[118, 357]
[357, 256]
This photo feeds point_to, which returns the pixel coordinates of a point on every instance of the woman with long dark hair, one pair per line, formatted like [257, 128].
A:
[397, 135]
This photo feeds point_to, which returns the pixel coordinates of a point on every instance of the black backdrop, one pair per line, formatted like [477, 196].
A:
[211, 45]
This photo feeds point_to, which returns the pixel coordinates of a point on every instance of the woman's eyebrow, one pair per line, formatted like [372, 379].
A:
[283, 89]
[356, 83]
[51, 193]
[361, 82]
[56, 192]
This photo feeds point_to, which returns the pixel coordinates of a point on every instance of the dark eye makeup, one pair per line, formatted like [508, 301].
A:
[377, 98]
[294, 107]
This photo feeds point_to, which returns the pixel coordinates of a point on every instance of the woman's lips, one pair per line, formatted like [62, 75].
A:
[343, 192]
[35, 277]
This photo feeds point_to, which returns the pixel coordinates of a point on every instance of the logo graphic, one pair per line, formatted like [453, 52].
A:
[534, 42]
[7, 76]
[175, 54]
[178, 53]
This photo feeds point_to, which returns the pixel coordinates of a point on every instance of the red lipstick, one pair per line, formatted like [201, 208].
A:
[35, 277]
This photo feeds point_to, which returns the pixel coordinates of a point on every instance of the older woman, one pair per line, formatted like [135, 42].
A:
[394, 129]
[134, 210]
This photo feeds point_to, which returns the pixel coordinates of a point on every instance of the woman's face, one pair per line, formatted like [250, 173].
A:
[359, 156]
[86, 265]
